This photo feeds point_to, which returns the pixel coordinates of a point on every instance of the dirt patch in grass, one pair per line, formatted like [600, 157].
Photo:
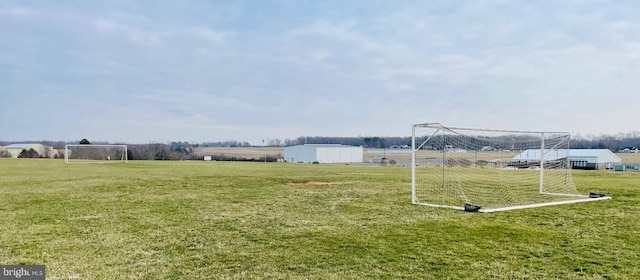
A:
[314, 183]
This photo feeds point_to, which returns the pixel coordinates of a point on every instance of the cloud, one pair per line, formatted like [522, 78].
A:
[16, 11]
[202, 71]
[208, 34]
[398, 87]
[342, 32]
[199, 102]
[130, 33]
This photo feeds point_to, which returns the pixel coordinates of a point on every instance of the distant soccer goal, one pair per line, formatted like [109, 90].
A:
[489, 170]
[95, 153]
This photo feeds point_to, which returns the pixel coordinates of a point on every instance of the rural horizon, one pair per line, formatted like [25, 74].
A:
[282, 139]
[272, 150]
[628, 135]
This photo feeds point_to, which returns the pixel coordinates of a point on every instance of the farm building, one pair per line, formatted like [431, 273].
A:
[627, 150]
[323, 153]
[578, 158]
[16, 149]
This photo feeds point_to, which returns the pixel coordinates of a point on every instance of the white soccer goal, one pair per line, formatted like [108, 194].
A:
[95, 153]
[490, 170]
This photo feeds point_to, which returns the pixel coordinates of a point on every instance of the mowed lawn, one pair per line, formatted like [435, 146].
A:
[217, 220]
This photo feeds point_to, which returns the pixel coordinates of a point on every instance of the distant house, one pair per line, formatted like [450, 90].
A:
[16, 149]
[451, 149]
[488, 149]
[578, 158]
[399, 147]
[629, 150]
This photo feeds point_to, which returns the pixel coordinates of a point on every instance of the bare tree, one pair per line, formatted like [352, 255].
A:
[47, 150]
[5, 154]
[274, 142]
[194, 151]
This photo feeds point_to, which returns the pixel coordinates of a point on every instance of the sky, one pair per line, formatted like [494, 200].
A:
[200, 71]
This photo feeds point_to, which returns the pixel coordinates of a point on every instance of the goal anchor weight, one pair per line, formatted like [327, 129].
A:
[596, 195]
[471, 208]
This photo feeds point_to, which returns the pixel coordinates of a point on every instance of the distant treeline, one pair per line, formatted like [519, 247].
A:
[367, 142]
[180, 151]
[611, 142]
[185, 150]
[372, 142]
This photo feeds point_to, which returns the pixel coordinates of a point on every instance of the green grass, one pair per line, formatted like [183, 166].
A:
[213, 220]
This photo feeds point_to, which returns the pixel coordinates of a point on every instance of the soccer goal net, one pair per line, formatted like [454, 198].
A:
[489, 170]
[95, 153]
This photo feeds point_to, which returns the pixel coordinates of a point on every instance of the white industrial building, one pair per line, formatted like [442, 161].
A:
[578, 158]
[323, 153]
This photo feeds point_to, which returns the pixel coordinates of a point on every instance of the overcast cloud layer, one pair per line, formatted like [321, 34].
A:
[141, 71]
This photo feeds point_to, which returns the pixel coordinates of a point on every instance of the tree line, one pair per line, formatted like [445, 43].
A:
[180, 150]
[614, 143]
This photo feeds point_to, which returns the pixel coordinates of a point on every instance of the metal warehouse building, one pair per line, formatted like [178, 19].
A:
[323, 153]
[578, 158]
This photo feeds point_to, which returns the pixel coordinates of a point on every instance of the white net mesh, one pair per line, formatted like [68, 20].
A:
[490, 168]
[96, 153]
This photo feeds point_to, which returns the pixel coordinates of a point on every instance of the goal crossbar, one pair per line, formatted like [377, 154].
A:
[486, 129]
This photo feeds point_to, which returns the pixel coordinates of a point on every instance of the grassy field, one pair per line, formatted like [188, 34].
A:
[215, 220]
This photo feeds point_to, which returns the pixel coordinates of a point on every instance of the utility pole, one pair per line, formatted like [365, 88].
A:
[265, 151]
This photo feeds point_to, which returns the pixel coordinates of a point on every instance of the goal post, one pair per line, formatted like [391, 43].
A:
[490, 170]
[95, 153]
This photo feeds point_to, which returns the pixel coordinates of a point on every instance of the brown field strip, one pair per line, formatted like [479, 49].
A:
[258, 152]
[629, 158]
[245, 152]
[436, 154]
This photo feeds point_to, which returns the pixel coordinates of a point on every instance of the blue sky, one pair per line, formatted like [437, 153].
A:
[158, 71]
